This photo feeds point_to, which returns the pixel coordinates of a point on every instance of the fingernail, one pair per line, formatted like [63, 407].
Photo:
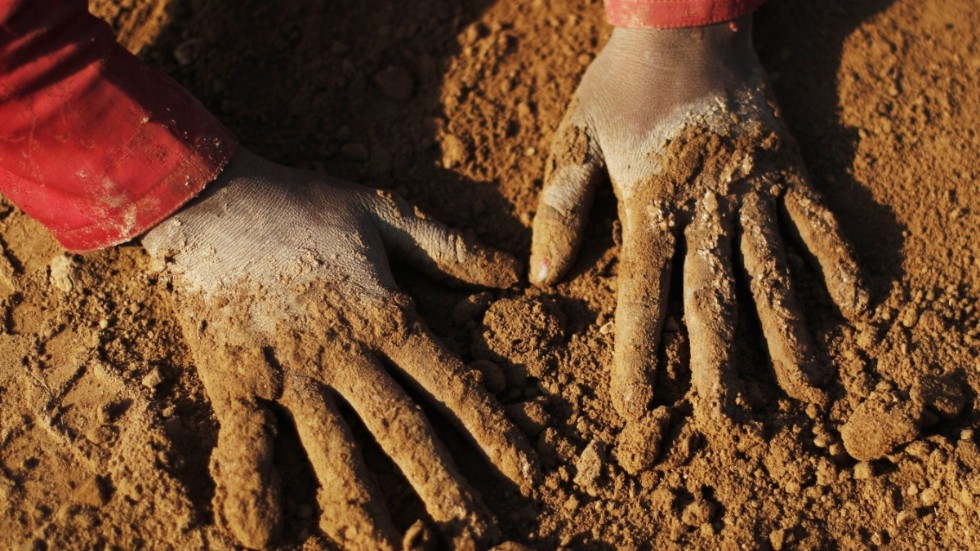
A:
[543, 269]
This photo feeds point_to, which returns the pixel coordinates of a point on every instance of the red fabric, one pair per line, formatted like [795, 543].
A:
[94, 144]
[665, 14]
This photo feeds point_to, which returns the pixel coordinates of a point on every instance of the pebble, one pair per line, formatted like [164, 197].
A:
[531, 417]
[454, 151]
[152, 379]
[880, 425]
[910, 317]
[63, 273]
[903, 517]
[929, 497]
[589, 465]
[863, 471]
[777, 539]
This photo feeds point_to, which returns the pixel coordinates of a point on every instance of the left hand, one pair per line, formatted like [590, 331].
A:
[280, 281]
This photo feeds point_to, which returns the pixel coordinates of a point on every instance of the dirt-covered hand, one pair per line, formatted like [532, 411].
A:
[282, 287]
[683, 123]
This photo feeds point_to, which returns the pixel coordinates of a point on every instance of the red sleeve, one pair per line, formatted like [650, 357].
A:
[94, 144]
[665, 14]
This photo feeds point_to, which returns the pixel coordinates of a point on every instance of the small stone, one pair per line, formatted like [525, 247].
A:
[454, 151]
[63, 273]
[395, 82]
[572, 504]
[910, 317]
[863, 471]
[777, 538]
[879, 425]
[103, 323]
[836, 450]
[903, 517]
[152, 379]
[589, 465]
[821, 441]
[607, 328]
[355, 151]
[929, 497]
[530, 417]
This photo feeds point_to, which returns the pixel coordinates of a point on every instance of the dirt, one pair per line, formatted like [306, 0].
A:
[106, 433]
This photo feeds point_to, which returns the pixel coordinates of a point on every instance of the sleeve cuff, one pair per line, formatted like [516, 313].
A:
[667, 14]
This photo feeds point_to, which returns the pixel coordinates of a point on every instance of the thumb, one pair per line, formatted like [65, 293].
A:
[573, 171]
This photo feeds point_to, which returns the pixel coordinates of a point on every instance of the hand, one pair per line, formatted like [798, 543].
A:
[683, 123]
[282, 288]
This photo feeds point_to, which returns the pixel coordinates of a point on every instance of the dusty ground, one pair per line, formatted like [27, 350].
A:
[105, 432]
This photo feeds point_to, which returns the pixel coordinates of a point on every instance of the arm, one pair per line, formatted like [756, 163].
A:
[94, 144]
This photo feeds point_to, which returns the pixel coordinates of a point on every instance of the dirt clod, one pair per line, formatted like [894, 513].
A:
[879, 425]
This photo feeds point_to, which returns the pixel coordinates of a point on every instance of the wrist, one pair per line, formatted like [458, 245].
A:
[691, 49]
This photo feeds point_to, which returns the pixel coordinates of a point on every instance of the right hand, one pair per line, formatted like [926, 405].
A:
[281, 284]
[683, 123]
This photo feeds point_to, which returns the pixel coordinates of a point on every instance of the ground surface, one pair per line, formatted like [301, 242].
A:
[105, 432]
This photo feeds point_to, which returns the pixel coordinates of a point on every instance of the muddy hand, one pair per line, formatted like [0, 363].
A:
[282, 287]
[683, 123]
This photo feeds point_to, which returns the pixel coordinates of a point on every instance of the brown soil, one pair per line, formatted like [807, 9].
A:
[105, 430]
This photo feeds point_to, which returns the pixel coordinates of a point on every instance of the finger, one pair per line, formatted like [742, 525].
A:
[406, 436]
[456, 390]
[247, 492]
[573, 172]
[641, 303]
[353, 513]
[709, 306]
[247, 485]
[790, 347]
[821, 233]
[436, 249]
